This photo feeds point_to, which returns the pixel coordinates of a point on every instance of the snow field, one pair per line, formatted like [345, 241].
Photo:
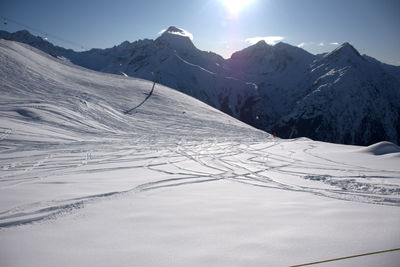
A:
[175, 182]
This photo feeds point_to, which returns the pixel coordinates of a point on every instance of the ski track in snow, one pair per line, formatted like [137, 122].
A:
[66, 139]
[253, 164]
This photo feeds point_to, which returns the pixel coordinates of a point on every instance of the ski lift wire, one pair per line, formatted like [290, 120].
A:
[347, 257]
[47, 35]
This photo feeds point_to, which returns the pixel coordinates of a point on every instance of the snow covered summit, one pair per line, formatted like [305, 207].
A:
[175, 30]
[177, 39]
[346, 53]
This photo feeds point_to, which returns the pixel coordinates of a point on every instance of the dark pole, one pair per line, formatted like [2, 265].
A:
[154, 84]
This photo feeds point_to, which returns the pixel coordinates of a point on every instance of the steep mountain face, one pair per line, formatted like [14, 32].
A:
[339, 97]
[350, 100]
[279, 73]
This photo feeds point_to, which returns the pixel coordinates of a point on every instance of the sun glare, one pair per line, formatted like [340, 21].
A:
[234, 7]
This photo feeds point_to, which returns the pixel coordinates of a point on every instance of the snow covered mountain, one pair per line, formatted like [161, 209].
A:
[95, 172]
[339, 97]
[348, 100]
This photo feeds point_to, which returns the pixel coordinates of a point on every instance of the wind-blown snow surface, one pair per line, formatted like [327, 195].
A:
[173, 182]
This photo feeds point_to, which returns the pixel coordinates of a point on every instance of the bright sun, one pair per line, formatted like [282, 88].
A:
[235, 6]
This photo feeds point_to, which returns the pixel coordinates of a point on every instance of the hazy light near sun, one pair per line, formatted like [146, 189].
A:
[235, 6]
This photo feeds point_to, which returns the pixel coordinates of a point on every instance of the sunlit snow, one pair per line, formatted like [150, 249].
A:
[173, 182]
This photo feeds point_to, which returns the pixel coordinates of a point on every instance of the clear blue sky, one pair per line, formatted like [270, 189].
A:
[372, 26]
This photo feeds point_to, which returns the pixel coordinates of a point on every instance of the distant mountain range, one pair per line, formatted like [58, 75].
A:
[340, 97]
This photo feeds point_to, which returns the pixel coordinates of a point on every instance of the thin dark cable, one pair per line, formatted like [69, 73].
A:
[53, 36]
[347, 257]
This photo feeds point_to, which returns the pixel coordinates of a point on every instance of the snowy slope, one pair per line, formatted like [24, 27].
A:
[173, 182]
[64, 109]
[330, 97]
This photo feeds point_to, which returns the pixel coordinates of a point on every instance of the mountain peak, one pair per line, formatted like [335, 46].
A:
[176, 38]
[346, 50]
[255, 49]
[261, 43]
[349, 47]
[173, 29]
